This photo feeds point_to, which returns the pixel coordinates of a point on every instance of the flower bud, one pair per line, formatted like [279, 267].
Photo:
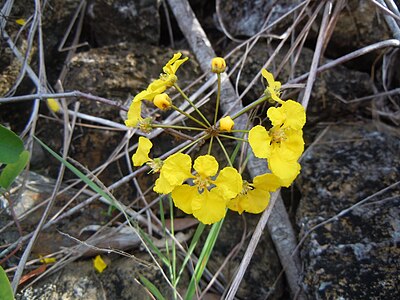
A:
[226, 124]
[162, 101]
[218, 65]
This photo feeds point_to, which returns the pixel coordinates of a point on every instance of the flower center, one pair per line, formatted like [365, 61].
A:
[169, 79]
[246, 186]
[277, 135]
[201, 182]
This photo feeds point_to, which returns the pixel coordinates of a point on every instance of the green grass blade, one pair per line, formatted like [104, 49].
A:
[153, 247]
[193, 243]
[11, 171]
[203, 259]
[6, 292]
[11, 146]
[78, 173]
[152, 288]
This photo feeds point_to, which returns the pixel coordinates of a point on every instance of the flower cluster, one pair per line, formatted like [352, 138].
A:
[199, 186]
[157, 87]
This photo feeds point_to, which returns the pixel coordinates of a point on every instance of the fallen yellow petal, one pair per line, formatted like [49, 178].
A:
[53, 104]
[47, 260]
[21, 22]
[99, 264]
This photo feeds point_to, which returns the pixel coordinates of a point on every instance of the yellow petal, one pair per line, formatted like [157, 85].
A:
[295, 114]
[269, 77]
[172, 66]
[162, 185]
[229, 181]
[183, 196]
[293, 146]
[259, 141]
[286, 170]
[235, 204]
[267, 182]
[255, 201]
[134, 114]
[47, 260]
[99, 264]
[53, 104]
[276, 115]
[175, 170]
[206, 165]
[142, 153]
[209, 207]
[20, 22]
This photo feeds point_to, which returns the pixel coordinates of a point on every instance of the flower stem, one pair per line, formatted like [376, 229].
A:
[249, 107]
[218, 98]
[233, 137]
[176, 127]
[189, 116]
[192, 104]
[193, 143]
[224, 150]
[210, 145]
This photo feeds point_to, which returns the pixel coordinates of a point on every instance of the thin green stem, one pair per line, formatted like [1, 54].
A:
[193, 143]
[224, 150]
[233, 137]
[249, 107]
[210, 145]
[218, 97]
[240, 130]
[174, 281]
[192, 104]
[189, 116]
[176, 127]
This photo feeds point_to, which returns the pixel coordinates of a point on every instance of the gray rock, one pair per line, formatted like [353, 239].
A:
[247, 18]
[118, 21]
[355, 256]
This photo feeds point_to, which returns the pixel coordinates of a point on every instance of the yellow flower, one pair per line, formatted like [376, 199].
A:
[218, 65]
[175, 170]
[226, 124]
[158, 86]
[290, 115]
[206, 199]
[254, 197]
[283, 144]
[141, 155]
[162, 101]
[274, 87]
[169, 78]
[282, 148]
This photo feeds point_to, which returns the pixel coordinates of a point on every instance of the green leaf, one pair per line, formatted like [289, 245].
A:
[11, 146]
[6, 292]
[11, 171]
[152, 288]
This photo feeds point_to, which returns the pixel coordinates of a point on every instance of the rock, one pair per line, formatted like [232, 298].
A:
[355, 256]
[120, 280]
[247, 18]
[360, 24]
[112, 22]
[330, 91]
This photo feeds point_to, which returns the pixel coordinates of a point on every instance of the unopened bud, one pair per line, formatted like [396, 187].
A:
[226, 124]
[162, 101]
[218, 65]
